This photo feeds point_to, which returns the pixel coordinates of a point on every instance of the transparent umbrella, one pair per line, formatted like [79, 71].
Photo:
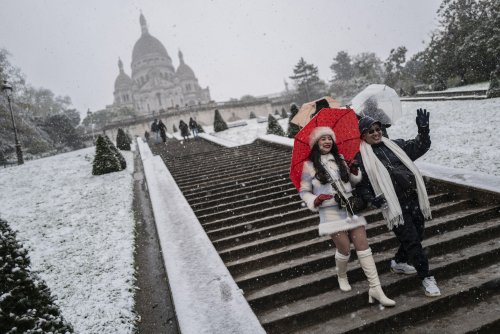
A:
[380, 102]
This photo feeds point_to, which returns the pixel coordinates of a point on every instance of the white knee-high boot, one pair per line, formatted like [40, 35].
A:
[341, 261]
[368, 264]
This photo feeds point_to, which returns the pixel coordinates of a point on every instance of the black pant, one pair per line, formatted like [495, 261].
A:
[410, 236]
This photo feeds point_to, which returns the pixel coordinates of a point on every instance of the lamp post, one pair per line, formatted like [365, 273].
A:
[7, 90]
[89, 114]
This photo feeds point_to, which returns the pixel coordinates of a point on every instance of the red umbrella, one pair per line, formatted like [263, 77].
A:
[345, 125]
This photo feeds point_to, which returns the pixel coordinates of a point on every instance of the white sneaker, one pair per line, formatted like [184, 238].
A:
[402, 268]
[430, 287]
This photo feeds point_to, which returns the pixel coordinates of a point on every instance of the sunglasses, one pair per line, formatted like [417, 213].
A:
[372, 131]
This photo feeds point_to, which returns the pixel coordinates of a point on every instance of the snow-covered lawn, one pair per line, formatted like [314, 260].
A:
[79, 228]
[464, 133]
[79, 231]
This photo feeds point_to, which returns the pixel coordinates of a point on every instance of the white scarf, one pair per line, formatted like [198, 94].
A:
[381, 182]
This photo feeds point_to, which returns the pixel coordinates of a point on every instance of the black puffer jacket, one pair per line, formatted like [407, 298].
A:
[414, 148]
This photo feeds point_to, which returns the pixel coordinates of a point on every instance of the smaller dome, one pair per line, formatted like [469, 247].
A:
[123, 81]
[184, 72]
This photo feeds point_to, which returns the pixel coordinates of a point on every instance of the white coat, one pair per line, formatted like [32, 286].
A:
[332, 218]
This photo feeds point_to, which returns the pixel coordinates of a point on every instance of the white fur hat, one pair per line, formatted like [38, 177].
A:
[318, 132]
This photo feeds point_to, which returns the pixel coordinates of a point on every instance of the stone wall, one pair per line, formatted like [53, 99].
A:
[203, 114]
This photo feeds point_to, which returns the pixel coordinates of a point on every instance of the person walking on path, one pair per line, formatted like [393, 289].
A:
[392, 175]
[325, 181]
[193, 126]
[183, 127]
[163, 130]
[156, 130]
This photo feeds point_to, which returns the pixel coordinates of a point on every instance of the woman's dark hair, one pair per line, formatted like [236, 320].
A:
[321, 173]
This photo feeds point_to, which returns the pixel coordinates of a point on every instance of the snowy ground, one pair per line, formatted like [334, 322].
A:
[79, 228]
[79, 231]
[463, 133]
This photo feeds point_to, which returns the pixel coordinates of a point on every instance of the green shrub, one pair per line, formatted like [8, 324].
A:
[105, 160]
[122, 141]
[283, 113]
[273, 127]
[219, 123]
[26, 305]
[118, 155]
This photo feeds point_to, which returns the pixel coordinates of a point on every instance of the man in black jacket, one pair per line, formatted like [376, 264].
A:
[392, 181]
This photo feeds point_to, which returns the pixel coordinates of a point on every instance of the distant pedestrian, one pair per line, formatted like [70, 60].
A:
[163, 130]
[193, 126]
[183, 127]
[156, 131]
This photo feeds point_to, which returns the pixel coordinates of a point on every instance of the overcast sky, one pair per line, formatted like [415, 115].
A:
[235, 47]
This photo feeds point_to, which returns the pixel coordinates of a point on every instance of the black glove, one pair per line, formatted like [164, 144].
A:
[378, 201]
[422, 120]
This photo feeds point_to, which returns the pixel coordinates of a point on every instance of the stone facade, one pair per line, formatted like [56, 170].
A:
[155, 85]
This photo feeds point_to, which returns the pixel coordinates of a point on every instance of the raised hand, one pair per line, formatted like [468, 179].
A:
[321, 198]
[422, 119]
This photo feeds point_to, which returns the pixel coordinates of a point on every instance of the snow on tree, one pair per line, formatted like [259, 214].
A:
[273, 127]
[219, 123]
[292, 127]
[105, 160]
[26, 304]
[283, 113]
[122, 142]
[119, 156]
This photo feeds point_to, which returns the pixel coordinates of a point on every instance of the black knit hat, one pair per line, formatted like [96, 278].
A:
[366, 122]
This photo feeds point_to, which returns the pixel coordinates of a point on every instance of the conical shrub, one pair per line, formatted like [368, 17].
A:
[119, 156]
[293, 129]
[105, 160]
[273, 127]
[219, 123]
[26, 304]
[252, 115]
[122, 141]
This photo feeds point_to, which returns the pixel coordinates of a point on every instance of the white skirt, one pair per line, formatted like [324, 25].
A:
[333, 220]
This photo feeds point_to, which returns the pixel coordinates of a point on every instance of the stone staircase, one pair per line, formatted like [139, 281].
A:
[269, 242]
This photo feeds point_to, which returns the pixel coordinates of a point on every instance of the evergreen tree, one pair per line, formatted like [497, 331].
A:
[276, 112]
[174, 129]
[146, 135]
[252, 115]
[26, 304]
[283, 113]
[292, 127]
[117, 153]
[273, 127]
[219, 123]
[122, 142]
[342, 66]
[309, 85]
[105, 160]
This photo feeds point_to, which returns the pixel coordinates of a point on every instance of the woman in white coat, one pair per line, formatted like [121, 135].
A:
[326, 182]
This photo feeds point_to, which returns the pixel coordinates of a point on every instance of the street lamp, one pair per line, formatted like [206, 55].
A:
[7, 90]
[89, 114]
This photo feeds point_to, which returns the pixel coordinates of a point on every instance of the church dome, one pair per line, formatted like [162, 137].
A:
[184, 72]
[123, 81]
[147, 45]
